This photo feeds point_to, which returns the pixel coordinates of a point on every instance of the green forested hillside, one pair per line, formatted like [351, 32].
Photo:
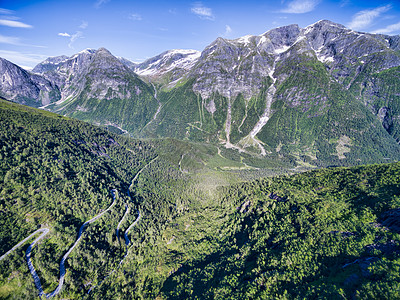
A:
[327, 234]
[203, 232]
[56, 172]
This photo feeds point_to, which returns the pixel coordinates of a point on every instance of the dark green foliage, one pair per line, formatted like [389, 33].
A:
[313, 235]
[381, 90]
[57, 172]
[320, 234]
[316, 117]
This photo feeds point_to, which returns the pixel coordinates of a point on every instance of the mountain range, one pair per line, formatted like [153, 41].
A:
[321, 95]
[214, 198]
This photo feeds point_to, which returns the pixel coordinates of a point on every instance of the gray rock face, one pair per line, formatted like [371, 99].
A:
[386, 119]
[19, 85]
[97, 73]
[107, 77]
[67, 73]
[172, 64]
[49, 64]
[283, 64]
[242, 66]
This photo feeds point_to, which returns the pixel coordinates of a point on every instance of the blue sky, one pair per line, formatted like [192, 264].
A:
[31, 31]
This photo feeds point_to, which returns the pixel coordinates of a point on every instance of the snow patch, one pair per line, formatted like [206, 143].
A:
[281, 50]
[162, 65]
[299, 39]
[262, 41]
[244, 40]
[324, 59]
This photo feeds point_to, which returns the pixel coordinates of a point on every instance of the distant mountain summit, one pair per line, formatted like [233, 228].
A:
[19, 85]
[324, 93]
[96, 86]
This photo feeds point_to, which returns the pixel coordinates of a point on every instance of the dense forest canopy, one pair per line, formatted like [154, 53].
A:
[202, 222]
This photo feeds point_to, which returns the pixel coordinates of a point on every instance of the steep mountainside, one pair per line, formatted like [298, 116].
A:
[320, 95]
[21, 86]
[96, 86]
[289, 91]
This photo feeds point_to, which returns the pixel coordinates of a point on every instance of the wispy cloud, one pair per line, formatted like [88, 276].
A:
[300, 6]
[64, 34]
[74, 37]
[11, 40]
[202, 12]
[77, 35]
[16, 41]
[228, 30]
[84, 25]
[344, 3]
[364, 18]
[11, 23]
[25, 60]
[135, 17]
[389, 29]
[99, 3]
[4, 11]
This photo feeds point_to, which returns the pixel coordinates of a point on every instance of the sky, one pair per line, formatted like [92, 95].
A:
[32, 30]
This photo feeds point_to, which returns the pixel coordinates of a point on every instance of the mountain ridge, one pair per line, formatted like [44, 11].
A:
[257, 94]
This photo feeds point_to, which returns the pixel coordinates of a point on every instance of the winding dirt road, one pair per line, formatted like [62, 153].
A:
[44, 232]
[127, 240]
[62, 262]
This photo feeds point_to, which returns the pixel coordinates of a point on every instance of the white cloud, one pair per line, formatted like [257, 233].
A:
[74, 37]
[389, 29]
[25, 60]
[16, 41]
[228, 30]
[300, 6]
[64, 34]
[11, 23]
[4, 11]
[11, 40]
[344, 3]
[99, 3]
[364, 18]
[135, 17]
[84, 25]
[202, 12]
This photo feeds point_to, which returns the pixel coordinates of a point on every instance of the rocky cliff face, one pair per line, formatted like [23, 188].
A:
[96, 86]
[21, 86]
[167, 67]
[320, 92]
[241, 66]
[257, 93]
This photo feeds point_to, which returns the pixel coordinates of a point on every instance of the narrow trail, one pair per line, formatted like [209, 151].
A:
[180, 162]
[62, 262]
[127, 240]
[44, 232]
[127, 209]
